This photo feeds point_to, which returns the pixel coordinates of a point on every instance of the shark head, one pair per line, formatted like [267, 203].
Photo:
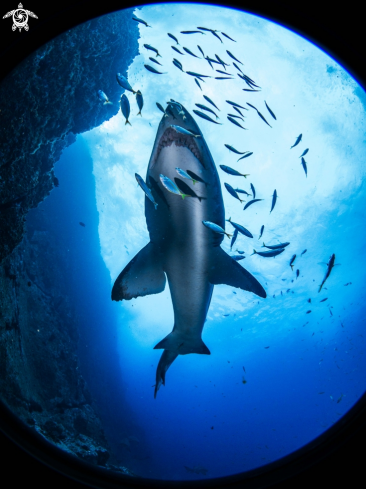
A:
[188, 145]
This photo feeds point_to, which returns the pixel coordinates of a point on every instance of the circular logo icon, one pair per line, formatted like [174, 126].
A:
[20, 19]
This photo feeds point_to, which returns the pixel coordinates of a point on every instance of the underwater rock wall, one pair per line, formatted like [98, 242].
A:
[39, 366]
[36, 124]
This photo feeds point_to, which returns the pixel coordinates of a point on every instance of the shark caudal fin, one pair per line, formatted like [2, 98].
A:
[225, 270]
[144, 275]
[182, 344]
[166, 359]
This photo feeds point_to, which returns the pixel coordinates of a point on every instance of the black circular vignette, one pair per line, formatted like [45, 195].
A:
[339, 33]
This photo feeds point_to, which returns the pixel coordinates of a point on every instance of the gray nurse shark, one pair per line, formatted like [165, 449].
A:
[181, 248]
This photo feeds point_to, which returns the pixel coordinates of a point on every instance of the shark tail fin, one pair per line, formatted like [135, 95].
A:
[144, 275]
[182, 344]
[166, 359]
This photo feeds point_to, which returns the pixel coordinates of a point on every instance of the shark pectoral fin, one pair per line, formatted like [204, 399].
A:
[225, 270]
[182, 345]
[144, 275]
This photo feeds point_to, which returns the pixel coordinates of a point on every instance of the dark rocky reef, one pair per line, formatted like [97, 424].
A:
[46, 100]
[44, 103]
[39, 378]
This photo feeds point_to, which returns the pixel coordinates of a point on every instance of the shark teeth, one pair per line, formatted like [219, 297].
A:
[171, 136]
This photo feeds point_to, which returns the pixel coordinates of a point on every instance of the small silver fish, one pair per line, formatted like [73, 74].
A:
[304, 152]
[177, 50]
[274, 199]
[155, 61]
[203, 107]
[253, 190]
[236, 117]
[171, 186]
[125, 108]
[151, 48]
[223, 33]
[231, 148]
[215, 228]
[210, 101]
[270, 111]
[268, 254]
[297, 141]
[173, 37]
[237, 67]
[145, 188]
[204, 116]
[122, 81]
[198, 75]
[303, 162]
[250, 203]
[233, 121]
[140, 21]
[276, 247]
[231, 171]
[240, 228]
[190, 52]
[160, 107]
[183, 174]
[198, 83]
[103, 97]
[153, 70]
[232, 192]
[181, 130]
[232, 56]
[242, 191]
[237, 257]
[191, 32]
[235, 235]
[249, 153]
[140, 102]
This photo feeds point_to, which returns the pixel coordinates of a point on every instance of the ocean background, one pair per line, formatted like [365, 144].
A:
[278, 375]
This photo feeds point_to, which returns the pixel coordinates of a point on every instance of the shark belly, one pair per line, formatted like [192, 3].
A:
[185, 244]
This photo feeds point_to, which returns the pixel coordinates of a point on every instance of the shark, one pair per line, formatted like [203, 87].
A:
[182, 250]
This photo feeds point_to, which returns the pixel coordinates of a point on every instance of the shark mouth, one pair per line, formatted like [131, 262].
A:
[170, 136]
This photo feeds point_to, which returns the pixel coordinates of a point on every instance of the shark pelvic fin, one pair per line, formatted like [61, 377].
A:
[144, 275]
[225, 270]
[182, 344]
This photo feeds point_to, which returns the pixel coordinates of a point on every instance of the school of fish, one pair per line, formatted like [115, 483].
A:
[209, 114]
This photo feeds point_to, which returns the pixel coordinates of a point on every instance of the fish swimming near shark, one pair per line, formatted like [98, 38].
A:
[330, 266]
[181, 250]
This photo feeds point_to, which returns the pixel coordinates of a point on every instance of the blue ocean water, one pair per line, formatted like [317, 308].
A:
[302, 372]
[282, 369]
